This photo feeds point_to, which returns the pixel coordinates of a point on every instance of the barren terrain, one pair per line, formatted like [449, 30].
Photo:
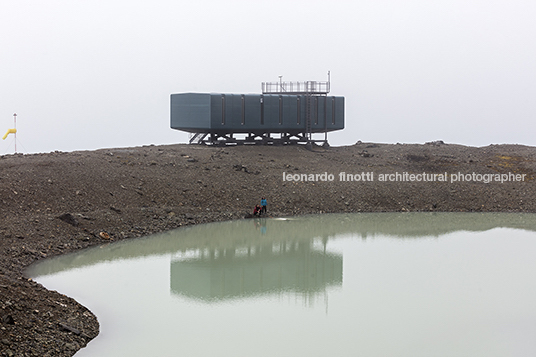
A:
[56, 203]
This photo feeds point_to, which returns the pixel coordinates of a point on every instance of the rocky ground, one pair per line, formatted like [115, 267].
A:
[56, 203]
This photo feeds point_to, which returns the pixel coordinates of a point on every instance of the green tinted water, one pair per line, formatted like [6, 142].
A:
[332, 285]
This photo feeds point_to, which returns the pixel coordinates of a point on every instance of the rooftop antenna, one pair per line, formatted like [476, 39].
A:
[12, 131]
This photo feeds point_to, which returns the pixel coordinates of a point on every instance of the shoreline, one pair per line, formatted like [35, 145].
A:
[57, 203]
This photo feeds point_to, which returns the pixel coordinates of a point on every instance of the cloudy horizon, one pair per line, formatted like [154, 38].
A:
[88, 75]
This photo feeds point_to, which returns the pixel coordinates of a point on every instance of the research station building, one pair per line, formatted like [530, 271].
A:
[285, 113]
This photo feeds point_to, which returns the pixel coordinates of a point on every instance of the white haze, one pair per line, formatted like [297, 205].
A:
[95, 74]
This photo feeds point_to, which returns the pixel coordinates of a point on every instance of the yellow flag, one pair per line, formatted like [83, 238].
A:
[9, 131]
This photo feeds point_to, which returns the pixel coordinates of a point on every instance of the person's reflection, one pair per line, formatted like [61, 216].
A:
[263, 225]
[260, 223]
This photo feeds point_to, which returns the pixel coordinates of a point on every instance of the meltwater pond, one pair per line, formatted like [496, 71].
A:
[383, 284]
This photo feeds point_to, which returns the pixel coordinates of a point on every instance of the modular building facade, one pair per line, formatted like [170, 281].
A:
[257, 115]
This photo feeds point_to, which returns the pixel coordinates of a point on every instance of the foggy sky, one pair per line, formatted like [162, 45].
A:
[98, 74]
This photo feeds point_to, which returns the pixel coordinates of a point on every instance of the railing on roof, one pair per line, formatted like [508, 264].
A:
[308, 87]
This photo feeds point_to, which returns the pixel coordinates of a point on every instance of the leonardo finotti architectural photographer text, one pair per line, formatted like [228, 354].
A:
[404, 177]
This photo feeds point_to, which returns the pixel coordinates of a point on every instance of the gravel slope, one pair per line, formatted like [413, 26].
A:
[56, 203]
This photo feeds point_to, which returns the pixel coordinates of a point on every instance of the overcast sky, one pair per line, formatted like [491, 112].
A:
[98, 74]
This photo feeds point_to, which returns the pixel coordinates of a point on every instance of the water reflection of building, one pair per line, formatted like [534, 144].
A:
[215, 275]
[222, 239]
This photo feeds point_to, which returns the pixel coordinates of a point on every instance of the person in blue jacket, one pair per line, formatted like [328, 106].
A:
[263, 205]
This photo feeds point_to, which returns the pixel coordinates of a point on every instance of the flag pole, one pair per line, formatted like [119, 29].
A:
[15, 126]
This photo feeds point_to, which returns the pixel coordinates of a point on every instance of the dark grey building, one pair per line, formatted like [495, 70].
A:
[263, 118]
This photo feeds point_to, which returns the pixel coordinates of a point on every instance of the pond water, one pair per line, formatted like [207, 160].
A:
[383, 284]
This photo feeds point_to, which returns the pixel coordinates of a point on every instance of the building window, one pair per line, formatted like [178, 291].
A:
[316, 110]
[298, 114]
[262, 110]
[243, 110]
[325, 111]
[223, 109]
[280, 110]
[333, 110]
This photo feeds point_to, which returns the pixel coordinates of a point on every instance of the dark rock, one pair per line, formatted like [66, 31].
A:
[69, 218]
[8, 319]
[117, 210]
[435, 143]
[240, 168]
[70, 328]
[416, 158]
